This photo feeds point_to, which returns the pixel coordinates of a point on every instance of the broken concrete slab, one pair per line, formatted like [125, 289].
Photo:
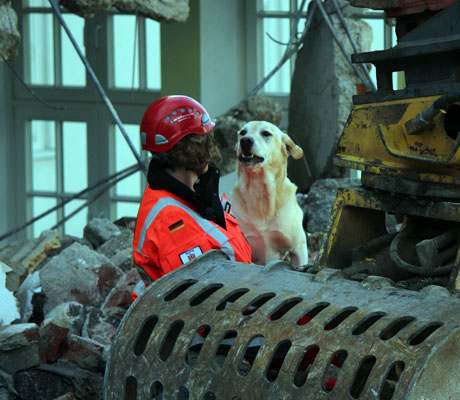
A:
[29, 256]
[67, 396]
[78, 274]
[70, 315]
[84, 352]
[101, 327]
[52, 338]
[100, 230]
[226, 136]
[7, 391]
[318, 202]
[9, 33]
[123, 259]
[49, 381]
[319, 107]
[25, 293]
[19, 347]
[161, 10]
[117, 243]
[120, 295]
[9, 309]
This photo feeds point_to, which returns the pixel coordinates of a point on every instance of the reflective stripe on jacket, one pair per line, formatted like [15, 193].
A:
[170, 233]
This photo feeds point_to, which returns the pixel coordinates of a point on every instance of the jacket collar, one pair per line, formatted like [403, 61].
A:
[159, 179]
[206, 197]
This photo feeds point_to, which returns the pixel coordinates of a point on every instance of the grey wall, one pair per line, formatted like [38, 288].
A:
[222, 54]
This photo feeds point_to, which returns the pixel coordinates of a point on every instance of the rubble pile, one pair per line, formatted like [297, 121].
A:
[9, 34]
[71, 296]
[256, 108]
[317, 208]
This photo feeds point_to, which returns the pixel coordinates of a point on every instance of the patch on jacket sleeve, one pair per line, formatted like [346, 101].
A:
[176, 226]
[190, 255]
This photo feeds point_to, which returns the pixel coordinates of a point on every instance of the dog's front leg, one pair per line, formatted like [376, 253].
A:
[300, 255]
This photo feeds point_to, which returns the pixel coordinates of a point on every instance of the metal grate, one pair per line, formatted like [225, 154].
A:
[271, 333]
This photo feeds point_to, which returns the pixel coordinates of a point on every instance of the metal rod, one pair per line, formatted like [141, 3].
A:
[100, 89]
[291, 49]
[134, 167]
[28, 88]
[94, 198]
[370, 85]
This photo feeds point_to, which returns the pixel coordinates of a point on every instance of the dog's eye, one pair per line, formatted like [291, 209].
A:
[243, 132]
[266, 134]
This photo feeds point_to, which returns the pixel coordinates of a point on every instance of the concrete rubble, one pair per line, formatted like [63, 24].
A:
[71, 298]
[9, 33]
[162, 10]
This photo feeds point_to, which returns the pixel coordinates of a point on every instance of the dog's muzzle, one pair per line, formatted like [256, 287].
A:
[246, 155]
[250, 159]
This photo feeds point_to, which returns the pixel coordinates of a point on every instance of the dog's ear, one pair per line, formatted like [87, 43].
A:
[293, 150]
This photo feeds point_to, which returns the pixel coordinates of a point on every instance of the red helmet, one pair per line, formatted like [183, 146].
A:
[169, 119]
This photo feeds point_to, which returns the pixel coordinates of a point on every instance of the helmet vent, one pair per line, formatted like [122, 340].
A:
[160, 139]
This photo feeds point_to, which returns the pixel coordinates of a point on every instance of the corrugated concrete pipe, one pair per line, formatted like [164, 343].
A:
[217, 329]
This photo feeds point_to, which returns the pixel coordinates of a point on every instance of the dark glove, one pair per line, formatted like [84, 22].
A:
[207, 192]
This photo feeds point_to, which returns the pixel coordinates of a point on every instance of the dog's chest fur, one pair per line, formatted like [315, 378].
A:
[261, 214]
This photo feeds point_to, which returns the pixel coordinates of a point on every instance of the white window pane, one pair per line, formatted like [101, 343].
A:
[305, 7]
[378, 40]
[153, 54]
[37, 3]
[40, 51]
[276, 5]
[300, 27]
[125, 51]
[74, 226]
[279, 29]
[40, 205]
[125, 209]
[73, 71]
[124, 158]
[43, 148]
[75, 156]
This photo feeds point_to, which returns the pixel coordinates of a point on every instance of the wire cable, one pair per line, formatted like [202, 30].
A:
[28, 88]
[101, 182]
[365, 79]
[97, 84]
[350, 38]
[107, 186]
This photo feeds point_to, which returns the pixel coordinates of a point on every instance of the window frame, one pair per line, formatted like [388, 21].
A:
[81, 104]
[260, 14]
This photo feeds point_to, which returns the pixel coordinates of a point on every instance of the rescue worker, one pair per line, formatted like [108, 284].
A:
[180, 215]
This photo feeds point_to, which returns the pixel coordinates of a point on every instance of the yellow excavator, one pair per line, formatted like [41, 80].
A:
[377, 317]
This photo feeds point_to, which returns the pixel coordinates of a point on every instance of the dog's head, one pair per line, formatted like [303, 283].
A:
[261, 143]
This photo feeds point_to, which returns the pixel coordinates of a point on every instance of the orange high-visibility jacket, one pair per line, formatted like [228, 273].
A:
[170, 232]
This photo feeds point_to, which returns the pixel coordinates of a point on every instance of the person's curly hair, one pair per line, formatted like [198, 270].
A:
[192, 153]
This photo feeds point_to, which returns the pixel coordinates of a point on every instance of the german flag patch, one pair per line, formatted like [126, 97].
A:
[176, 226]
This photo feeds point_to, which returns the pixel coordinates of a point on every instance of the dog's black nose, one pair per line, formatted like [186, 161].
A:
[246, 144]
